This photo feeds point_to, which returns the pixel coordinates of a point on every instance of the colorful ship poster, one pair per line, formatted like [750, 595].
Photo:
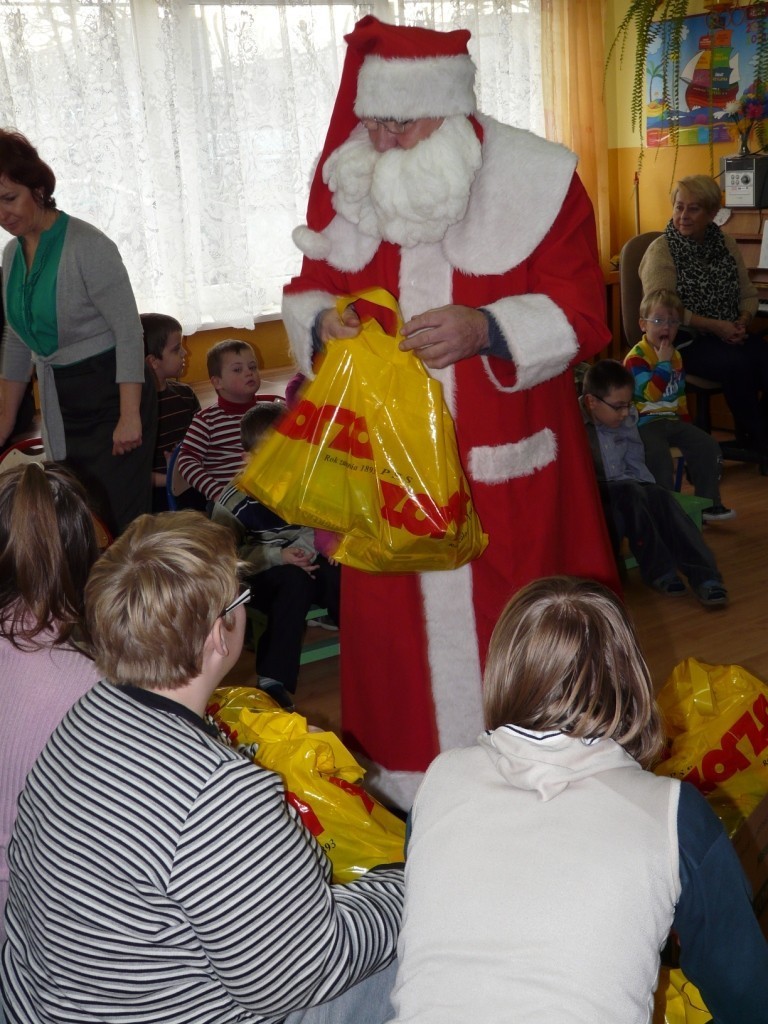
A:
[717, 67]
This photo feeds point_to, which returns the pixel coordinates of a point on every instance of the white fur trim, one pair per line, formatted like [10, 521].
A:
[403, 89]
[350, 250]
[311, 243]
[299, 312]
[496, 464]
[539, 337]
[514, 200]
[426, 282]
[454, 658]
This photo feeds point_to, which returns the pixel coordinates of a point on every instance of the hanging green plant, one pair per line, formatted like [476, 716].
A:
[657, 27]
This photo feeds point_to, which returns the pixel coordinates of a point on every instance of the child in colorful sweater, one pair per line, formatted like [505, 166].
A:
[659, 395]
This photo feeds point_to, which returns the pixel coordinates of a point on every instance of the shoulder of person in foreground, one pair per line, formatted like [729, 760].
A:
[722, 949]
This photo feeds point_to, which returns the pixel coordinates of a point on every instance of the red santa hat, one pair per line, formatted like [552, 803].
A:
[393, 72]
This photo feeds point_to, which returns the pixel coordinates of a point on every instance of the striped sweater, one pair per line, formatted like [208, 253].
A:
[157, 875]
[659, 384]
[211, 453]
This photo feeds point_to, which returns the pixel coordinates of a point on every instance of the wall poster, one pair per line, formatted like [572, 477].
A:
[716, 85]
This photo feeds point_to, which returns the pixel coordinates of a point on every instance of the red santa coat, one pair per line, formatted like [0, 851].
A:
[413, 647]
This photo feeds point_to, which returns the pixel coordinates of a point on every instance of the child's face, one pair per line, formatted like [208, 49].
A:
[239, 380]
[657, 334]
[612, 410]
[172, 363]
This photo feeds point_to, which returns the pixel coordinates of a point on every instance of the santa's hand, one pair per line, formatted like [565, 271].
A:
[443, 336]
[330, 325]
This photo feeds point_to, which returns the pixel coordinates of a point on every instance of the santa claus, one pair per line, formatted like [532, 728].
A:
[486, 236]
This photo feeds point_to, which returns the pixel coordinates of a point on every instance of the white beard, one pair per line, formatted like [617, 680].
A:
[405, 196]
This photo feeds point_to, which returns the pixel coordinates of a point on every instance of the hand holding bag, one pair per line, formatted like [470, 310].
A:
[370, 453]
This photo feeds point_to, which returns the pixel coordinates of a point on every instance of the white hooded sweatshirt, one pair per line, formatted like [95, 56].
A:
[541, 883]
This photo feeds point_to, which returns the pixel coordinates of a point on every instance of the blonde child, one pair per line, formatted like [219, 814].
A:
[545, 866]
[659, 394]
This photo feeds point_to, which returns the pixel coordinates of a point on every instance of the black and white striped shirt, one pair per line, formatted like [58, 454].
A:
[157, 875]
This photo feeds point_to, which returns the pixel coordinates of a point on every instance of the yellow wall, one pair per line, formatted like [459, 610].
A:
[268, 340]
[658, 171]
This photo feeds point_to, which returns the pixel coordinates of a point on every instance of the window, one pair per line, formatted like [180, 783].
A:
[189, 132]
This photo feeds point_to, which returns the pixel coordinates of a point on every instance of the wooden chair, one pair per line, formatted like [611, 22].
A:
[21, 453]
[32, 449]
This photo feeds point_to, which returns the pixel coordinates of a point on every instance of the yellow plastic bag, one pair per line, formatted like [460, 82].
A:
[370, 453]
[678, 1001]
[716, 717]
[322, 780]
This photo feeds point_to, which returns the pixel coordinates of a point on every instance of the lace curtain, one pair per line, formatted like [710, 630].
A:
[188, 132]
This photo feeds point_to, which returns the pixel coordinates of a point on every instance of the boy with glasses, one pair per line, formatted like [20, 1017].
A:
[661, 536]
[659, 395]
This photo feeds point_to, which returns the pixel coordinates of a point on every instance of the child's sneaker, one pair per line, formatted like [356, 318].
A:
[712, 594]
[717, 514]
[670, 585]
[324, 622]
[277, 692]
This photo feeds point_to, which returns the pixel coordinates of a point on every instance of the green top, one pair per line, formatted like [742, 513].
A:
[31, 295]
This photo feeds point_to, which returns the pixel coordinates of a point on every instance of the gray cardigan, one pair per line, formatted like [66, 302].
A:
[95, 311]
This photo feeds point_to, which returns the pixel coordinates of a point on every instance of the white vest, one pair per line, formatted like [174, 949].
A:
[541, 881]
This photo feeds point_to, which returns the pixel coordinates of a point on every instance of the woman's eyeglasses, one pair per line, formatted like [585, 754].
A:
[240, 599]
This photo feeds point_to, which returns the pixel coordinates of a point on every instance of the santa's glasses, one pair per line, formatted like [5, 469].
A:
[372, 124]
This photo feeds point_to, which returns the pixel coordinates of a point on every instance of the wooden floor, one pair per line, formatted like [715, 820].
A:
[670, 629]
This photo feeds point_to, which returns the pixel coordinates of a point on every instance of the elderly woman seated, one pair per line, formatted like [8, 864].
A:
[703, 265]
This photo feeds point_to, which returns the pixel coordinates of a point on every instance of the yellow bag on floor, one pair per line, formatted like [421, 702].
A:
[678, 1001]
[716, 717]
[370, 453]
[322, 780]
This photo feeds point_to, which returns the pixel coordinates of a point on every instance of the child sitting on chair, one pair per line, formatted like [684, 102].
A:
[211, 452]
[659, 394]
[661, 536]
[290, 574]
[176, 403]
[545, 867]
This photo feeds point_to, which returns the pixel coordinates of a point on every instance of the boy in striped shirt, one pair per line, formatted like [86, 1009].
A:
[211, 453]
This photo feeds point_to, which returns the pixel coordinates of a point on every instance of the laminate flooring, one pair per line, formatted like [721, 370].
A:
[670, 629]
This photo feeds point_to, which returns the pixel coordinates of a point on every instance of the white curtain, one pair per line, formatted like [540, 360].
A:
[188, 132]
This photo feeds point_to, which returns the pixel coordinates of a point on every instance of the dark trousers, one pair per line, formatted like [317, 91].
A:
[661, 536]
[119, 486]
[285, 593]
[743, 372]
